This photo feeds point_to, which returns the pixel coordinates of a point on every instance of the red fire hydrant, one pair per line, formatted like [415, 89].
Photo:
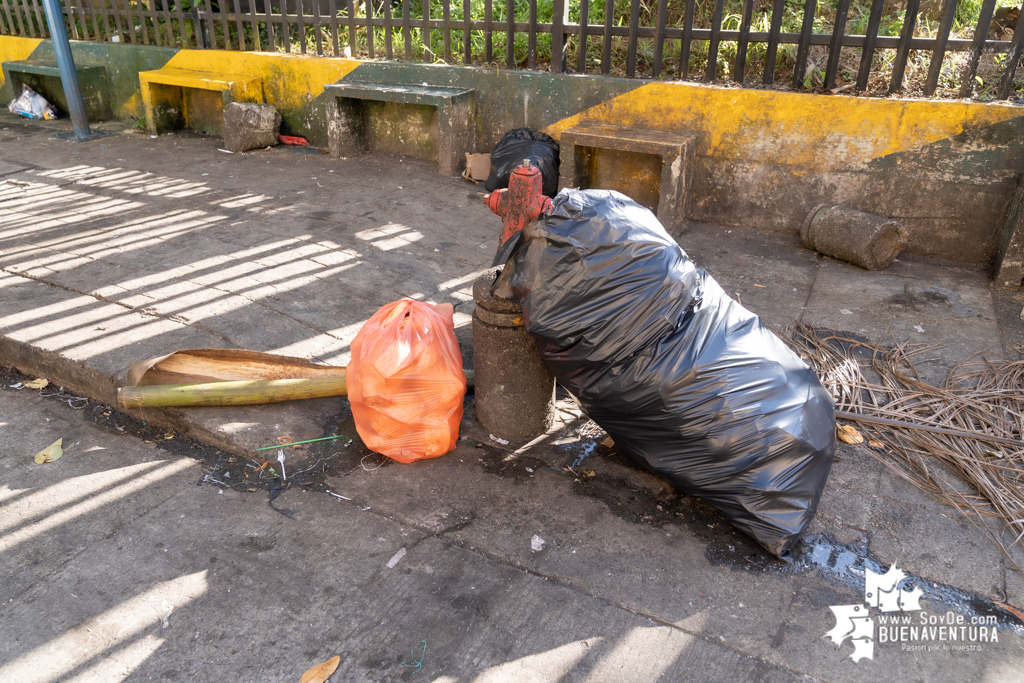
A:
[522, 202]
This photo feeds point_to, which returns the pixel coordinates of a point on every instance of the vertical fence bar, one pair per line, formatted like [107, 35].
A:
[72, 22]
[804, 45]
[300, 20]
[1006, 84]
[488, 31]
[211, 27]
[197, 29]
[687, 42]
[939, 52]
[43, 29]
[317, 26]
[21, 23]
[835, 48]
[239, 26]
[977, 46]
[185, 43]
[581, 57]
[257, 43]
[407, 29]
[606, 51]
[143, 29]
[388, 30]
[659, 38]
[426, 31]
[116, 13]
[532, 43]
[768, 77]
[867, 55]
[634, 29]
[168, 24]
[716, 38]
[95, 26]
[446, 30]
[14, 31]
[370, 38]
[903, 50]
[24, 20]
[510, 34]
[332, 6]
[271, 37]
[352, 27]
[225, 31]
[130, 20]
[560, 9]
[286, 29]
[85, 25]
[467, 35]
[741, 46]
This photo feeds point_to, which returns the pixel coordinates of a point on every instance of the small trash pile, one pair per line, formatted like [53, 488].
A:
[32, 105]
[521, 144]
[405, 381]
[684, 379]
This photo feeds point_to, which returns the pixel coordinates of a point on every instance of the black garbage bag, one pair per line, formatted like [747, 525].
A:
[519, 144]
[685, 380]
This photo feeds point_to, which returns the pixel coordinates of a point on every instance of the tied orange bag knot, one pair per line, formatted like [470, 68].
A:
[405, 381]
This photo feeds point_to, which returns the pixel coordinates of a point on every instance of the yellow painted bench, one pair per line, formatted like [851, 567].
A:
[183, 98]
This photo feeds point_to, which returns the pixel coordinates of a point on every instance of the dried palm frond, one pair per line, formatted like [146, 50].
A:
[960, 441]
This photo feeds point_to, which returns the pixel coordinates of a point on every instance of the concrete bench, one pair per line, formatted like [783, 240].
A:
[429, 122]
[653, 167]
[180, 98]
[44, 78]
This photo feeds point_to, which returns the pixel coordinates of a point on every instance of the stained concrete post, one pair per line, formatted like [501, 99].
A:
[862, 239]
[514, 387]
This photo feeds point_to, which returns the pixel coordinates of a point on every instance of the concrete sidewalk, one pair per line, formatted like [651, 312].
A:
[131, 247]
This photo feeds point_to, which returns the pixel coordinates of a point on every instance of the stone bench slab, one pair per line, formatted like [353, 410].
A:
[232, 88]
[456, 111]
[677, 153]
[92, 82]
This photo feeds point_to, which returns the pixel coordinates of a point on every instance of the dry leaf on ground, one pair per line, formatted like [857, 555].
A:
[37, 384]
[847, 434]
[321, 672]
[51, 452]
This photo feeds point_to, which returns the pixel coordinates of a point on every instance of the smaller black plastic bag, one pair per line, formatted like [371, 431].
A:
[519, 144]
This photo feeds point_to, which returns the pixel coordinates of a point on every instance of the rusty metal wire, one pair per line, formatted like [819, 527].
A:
[981, 478]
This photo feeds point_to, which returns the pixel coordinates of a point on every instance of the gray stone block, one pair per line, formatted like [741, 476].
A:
[250, 126]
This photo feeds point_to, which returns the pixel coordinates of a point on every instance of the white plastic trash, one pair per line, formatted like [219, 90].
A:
[31, 104]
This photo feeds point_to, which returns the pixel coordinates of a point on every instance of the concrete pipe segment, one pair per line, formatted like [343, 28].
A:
[514, 387]
[862, 239]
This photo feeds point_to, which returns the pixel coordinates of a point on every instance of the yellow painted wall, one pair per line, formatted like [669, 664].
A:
[14, 49]
[812, 133]
[289, 81]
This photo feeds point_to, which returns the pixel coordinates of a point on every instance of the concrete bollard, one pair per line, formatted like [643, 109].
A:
[862, 239]
[514, 387]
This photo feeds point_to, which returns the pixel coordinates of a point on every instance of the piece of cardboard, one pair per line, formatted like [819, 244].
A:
[478, 167]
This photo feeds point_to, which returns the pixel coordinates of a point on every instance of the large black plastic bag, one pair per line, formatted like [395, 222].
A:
[684, 379]
[519, 144]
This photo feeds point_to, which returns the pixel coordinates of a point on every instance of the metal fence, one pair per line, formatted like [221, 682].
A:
[625, 37]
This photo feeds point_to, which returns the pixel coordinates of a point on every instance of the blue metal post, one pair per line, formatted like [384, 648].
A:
[66, 64]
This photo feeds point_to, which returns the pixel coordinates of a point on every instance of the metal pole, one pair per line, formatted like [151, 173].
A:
[66, 64]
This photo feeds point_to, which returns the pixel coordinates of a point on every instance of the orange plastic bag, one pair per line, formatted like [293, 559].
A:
[405, 381]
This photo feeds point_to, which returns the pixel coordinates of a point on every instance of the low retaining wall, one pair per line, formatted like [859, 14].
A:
[946, 169]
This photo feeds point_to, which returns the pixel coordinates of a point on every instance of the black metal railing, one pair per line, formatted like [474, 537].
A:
[948, 52]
